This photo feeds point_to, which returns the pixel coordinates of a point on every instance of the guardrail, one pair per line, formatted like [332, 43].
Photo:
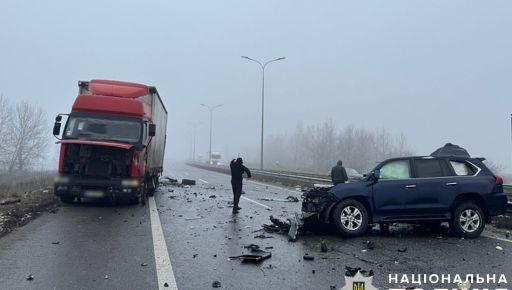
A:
[301, 178]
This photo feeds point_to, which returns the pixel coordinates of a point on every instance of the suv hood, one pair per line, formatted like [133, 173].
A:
[342, 190]
[99, 143]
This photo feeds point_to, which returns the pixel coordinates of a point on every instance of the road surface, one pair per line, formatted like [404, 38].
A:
[184, 237]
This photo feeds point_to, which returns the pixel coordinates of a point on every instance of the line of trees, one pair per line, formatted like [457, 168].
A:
[23, 136]
[318, 147]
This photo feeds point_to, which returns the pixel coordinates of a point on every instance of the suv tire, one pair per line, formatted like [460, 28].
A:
[350, 217]
[468, 220]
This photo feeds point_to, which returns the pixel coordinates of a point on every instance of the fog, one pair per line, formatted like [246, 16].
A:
[435, 72]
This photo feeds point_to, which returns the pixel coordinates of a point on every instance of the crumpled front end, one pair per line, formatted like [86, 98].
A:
[317, 203]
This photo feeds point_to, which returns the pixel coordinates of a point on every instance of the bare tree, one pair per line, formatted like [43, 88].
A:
[5, 122]
[28, 136]
[318, 147]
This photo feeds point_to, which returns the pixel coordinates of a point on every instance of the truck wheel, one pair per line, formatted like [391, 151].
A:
[151, 187]
[468, 220]
[142, 195]
[351, 218]
[67, 199]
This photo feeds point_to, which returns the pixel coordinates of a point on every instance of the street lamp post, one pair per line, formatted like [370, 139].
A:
[263, 66]
[194, 126]
[210, 108]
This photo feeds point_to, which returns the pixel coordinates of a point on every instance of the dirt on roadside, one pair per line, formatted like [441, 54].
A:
[23, 201]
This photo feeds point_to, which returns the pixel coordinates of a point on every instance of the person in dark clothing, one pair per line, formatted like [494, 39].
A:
[339, 174]
[237, 171]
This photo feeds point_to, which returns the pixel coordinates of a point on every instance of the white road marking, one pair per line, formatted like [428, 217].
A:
[164, 271]
[255, 202]
[203, 181]
[496, 238]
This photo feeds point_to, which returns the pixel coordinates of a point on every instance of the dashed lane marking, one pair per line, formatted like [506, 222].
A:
[203, 181]
[164, 271]
[255, 202]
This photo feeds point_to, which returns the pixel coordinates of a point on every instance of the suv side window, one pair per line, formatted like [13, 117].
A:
[462, 168]
[428, 168]
[398, 169]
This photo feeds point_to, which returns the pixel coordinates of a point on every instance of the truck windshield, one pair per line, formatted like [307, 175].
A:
[92, 128]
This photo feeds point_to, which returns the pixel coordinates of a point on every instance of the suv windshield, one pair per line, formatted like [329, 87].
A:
[104, 129]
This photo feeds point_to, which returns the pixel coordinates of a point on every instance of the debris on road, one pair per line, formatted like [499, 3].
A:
[351, 272]
[499, 248]
[370, 245]
[290, 227]
[308, 257]
[188, 181]
[166, 284]
[216, 284]
[287, 199]
[30, 277]
[55, 242]
[9, 200]
[262, 236]
[212, 196]
[294, 228]
[143, 264]
[323, 247]
[257, 255]
[194, 218]
[402, 250]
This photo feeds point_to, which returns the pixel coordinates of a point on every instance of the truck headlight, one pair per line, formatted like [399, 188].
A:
[130, 183]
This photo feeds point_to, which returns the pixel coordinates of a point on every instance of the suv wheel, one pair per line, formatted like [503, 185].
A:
[351, 218]
[468, 220]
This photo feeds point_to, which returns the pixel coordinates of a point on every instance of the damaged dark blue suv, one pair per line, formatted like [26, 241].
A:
[460, 190]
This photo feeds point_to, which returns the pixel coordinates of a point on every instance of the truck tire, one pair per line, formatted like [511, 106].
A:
[67, 199]
[151, 188]
[468, 220]
[350, 217]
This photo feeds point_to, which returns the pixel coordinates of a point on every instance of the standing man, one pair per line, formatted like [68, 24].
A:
[237, 171]
[339, 174]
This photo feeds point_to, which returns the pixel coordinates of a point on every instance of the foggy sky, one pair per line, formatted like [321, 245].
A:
[438, 71]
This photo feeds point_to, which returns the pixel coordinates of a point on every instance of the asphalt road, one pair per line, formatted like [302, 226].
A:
[186, 236]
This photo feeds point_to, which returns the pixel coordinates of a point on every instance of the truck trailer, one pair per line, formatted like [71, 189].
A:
[113, 142]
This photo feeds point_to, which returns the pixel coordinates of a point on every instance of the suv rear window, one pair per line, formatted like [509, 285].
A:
[428, 168]
[462, 168]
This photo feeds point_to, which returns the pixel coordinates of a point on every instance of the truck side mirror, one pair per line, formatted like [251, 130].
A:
[56, 128]
[376, 174]
[152, 130]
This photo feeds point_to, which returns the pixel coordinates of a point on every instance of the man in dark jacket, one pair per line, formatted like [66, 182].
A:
[339, 174]
[237, 171]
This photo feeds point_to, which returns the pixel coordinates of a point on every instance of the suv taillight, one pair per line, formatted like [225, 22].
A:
[499, 180]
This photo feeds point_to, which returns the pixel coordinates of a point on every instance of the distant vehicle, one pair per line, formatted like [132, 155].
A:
[216, 158]
[113, 142]
[460, 190]
[352, 174]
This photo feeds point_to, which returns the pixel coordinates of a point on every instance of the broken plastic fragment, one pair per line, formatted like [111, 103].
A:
[216, 284]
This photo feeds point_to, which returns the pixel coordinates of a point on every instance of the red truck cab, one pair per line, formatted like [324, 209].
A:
[113, 142]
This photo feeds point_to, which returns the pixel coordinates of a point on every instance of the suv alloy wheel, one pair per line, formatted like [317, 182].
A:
[351, 218]
[468, 220]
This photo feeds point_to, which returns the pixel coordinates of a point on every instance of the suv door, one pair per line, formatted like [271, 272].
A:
[436, 186]
[392, 187]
